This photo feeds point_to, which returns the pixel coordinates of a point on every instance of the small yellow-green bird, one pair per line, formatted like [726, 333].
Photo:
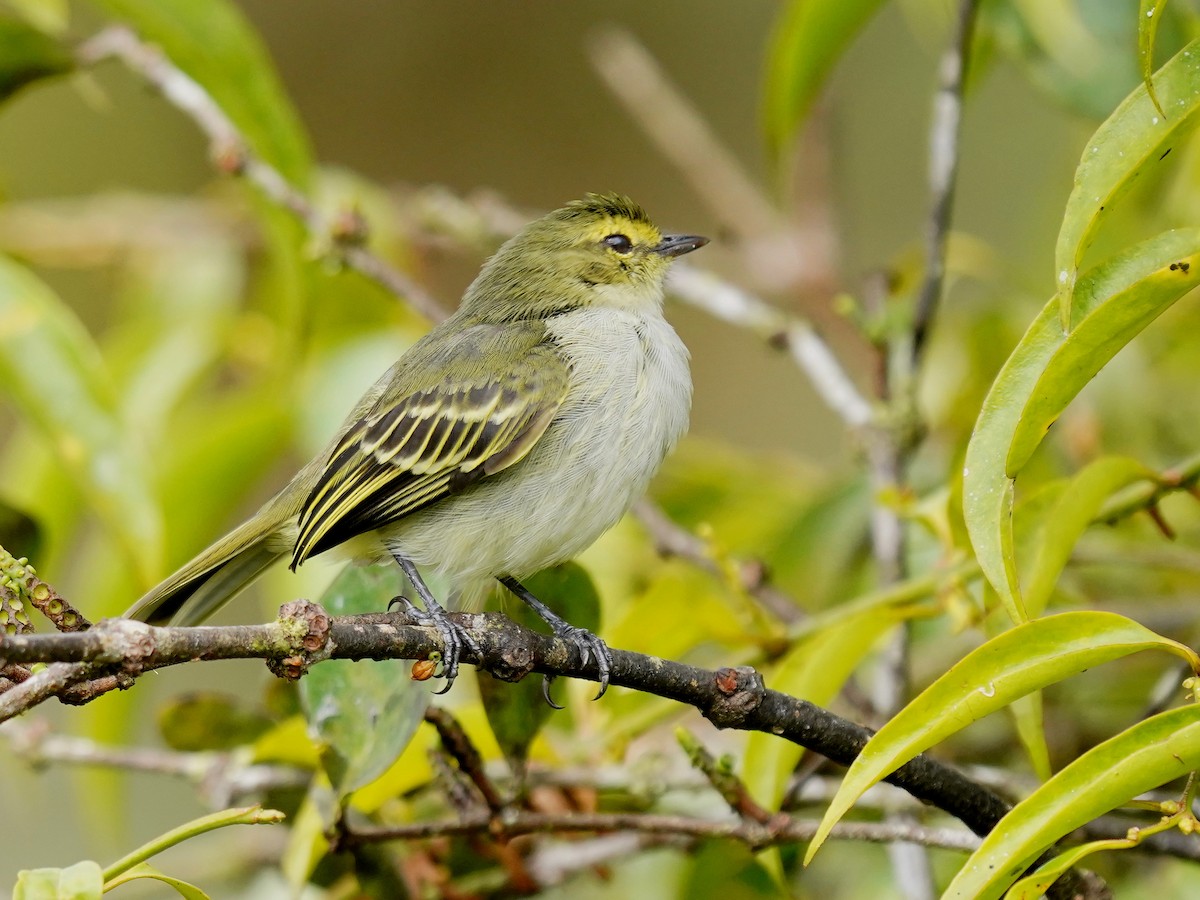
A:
[503, 442]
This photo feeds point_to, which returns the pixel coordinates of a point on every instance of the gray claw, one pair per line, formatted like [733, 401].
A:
[589, 646]
[546, 681]
[454, 638]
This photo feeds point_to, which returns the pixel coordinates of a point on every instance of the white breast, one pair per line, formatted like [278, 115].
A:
[627, 408]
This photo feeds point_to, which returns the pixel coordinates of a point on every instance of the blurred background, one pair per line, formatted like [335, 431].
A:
[508, 99]
[231, 348]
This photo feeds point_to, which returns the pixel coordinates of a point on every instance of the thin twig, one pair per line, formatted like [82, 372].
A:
[890, 449]
[233, 155]
[517, 822]
[810, 352]
[673, 540]
[681, 134]
[458, 745]
[726, 783]
[943, 169]
[223, 778]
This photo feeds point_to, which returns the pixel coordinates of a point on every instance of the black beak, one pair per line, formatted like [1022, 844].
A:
[673, 245]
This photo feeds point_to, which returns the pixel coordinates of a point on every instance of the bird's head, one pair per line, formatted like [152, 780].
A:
[602, 250]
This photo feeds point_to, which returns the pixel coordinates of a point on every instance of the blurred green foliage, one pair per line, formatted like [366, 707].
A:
[167, 360]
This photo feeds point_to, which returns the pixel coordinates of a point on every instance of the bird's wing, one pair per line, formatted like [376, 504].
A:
[415, 449]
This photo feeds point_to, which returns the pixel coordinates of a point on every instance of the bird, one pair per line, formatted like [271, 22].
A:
[503, 442]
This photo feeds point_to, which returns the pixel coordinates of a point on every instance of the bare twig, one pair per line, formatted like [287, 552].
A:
[726, 783]
[233, 155]
[517, 822]
[809, 351]
[889, 450]
[943, 168]
[222, 778]
[672, 539]
[680, 132]
[458, 745]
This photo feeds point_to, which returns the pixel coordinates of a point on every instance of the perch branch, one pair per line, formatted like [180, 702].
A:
[121, 650]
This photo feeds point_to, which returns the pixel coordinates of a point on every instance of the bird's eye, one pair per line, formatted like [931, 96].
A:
[619, 242]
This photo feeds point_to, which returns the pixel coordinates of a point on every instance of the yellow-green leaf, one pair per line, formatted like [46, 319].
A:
[215, 44]
[365, 712]
[1115, 301]
[145, 870]
[52, 373]
[1028, 719]
[28, 55]
[1148, 19]
[808, 39]
[1033, 887]
[1138, 759]
[1070, 516]
[1133, 139]
[81, 881]
[815, 669]
[1029, 657]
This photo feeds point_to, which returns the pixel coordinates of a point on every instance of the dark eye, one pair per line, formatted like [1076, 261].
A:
[619, 242]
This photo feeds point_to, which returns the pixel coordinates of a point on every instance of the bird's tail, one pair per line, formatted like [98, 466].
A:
[212, 579]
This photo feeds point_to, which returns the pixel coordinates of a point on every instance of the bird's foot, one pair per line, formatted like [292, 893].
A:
[454, 637]
[589, 645]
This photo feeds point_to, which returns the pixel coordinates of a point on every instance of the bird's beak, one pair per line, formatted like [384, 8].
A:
[673, 245]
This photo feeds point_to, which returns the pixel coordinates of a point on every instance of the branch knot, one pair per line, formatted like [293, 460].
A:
[740, 690]
[305, 627]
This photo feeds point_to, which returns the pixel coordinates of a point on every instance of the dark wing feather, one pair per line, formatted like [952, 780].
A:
[410, 452]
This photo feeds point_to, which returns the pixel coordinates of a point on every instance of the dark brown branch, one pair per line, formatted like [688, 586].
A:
[730, 698]
[459, 746]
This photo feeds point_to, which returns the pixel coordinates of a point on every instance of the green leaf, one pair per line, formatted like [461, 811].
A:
[20, 533]
[235, 442]
[215, 44]
[1148, 19]
[1116, 300]
[82, 881]
[1075, 51]
[1129, 143]
[28, 55]
[364, 712]
[1070, 516]
[50, 16]
[53, 374]
[1034, 886]
[145, 870]
[808, 39]
[726, 870]
[1138, 759]
[210, 721]
[517, 712]
[1028, 718]
[1024, 659]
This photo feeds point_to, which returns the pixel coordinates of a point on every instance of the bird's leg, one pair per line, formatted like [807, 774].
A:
[588, 644]
[454, 638]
